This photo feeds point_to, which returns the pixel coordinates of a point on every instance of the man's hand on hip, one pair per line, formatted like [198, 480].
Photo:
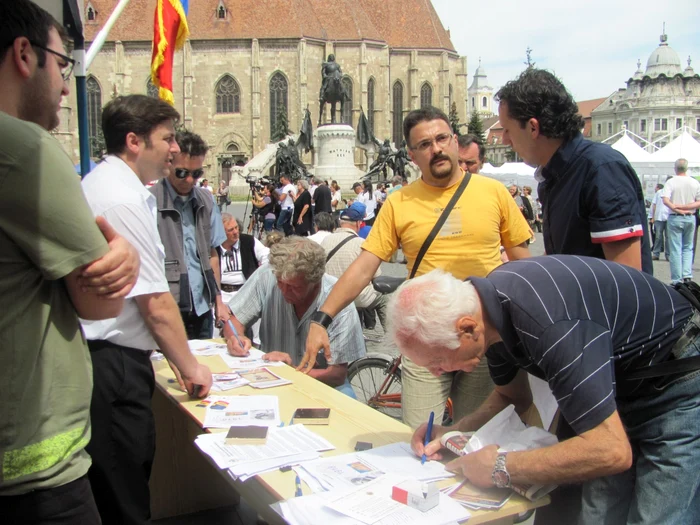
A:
[315, 341]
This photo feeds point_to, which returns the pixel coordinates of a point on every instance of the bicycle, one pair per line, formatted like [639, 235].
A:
[376, 381]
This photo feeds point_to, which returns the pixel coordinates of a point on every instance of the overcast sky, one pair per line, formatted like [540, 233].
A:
[591, 45]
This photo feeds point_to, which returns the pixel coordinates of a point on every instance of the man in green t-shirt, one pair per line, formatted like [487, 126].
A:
[55, 265]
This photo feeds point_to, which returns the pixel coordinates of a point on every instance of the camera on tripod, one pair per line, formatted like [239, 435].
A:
[257, 185]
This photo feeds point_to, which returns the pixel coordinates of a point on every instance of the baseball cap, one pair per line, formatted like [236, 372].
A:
[355, 212]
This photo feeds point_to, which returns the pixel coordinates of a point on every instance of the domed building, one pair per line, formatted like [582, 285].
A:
[247, 62]
[657, 102]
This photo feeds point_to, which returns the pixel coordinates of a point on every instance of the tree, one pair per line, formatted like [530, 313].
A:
[454, 119]
[476, 127]
[528, 58]
[98, 145]
[281, 127]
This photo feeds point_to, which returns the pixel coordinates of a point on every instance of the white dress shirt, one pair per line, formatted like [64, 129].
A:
[114, 191]
[231, 266]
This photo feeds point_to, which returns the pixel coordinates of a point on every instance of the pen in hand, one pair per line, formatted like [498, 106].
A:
[235, 333]
[428, 435]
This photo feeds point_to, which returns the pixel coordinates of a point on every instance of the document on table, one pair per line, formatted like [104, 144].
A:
[223, 382]
[252, 360]
[285, 441]
[204, 347]
[399, 459]
[228, 411]
[263, 378]
[368, 504]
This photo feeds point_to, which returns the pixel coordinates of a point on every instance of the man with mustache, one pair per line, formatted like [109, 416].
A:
[484, 218]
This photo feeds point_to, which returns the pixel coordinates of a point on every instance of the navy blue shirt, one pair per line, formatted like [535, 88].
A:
[591, 195]
[579, 323]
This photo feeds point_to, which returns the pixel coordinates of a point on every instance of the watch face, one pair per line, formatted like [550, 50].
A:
[501, 478]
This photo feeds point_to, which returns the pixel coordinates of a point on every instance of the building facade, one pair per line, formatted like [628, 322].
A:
[246, 62]
[480, 94]
[656, 104]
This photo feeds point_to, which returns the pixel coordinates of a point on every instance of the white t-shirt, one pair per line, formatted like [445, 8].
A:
[337, 197]
[370, 203]
[682, 189]
[288, 203]
[114, 191]
[661, 211]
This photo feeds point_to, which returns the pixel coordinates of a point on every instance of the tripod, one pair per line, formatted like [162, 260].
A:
[255, 225]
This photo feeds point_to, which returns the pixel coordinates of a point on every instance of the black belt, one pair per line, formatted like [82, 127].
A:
[95, 345]
[230, 287]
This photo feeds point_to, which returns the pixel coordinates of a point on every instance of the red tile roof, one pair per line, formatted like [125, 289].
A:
[586, 106]
[399, 23]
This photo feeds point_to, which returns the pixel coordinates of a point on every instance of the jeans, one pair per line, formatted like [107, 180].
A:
[679, 232]
[198, 326]
[662, 486]
[423, 393]
[660, 241]
[346, 388]
[284, 221]
[268, 224]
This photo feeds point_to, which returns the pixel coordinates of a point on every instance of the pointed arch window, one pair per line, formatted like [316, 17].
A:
[484, 102]
[397, 112]
[228, 95]
[426, 95]
[221, 11]
[370, 104]
[94, 107]
[347, 107]
[151, 89]
[90, 14]
[278, 99]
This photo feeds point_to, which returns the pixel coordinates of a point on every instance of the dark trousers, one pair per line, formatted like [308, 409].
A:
[69, 504]
[198, 326]
[123, 433]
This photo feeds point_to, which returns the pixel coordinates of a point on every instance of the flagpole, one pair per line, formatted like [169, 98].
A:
[104, 32]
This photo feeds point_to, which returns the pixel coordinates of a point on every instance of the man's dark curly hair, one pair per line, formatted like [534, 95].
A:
[538, 94]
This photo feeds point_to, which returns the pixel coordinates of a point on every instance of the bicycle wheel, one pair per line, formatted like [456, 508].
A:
[367, 375]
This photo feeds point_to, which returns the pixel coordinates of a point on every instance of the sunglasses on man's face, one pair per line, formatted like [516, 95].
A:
[182, 173]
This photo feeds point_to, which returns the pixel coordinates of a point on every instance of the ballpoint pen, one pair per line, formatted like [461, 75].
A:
[298, 491]
[235, 332]
[428, 434]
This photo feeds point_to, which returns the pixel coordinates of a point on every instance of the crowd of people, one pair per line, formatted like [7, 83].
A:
[99, 274]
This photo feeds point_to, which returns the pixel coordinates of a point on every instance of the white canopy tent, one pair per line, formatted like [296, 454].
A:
[512, 173]
[631, 150]
[683, 146]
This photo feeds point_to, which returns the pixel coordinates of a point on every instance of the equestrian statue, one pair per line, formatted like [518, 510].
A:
[332, 89]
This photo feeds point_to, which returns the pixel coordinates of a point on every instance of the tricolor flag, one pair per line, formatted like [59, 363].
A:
[169, 33]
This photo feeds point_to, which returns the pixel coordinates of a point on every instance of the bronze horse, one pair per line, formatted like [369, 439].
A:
[335, 92]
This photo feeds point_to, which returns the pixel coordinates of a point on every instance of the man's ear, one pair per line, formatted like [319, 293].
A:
[23, 56]
[533, 126]
[133, 143]
[467, 325]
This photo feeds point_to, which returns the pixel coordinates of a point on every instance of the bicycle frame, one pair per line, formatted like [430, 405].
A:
[382, 398]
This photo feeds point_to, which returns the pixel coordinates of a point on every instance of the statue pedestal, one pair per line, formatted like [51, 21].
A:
[335, 155]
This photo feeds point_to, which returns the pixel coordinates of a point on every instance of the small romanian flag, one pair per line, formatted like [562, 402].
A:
[169, 33]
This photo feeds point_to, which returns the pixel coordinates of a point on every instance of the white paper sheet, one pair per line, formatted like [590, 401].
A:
[228, 411]
[252, 360]
[399, 459]
[204, 347]
[223, 382]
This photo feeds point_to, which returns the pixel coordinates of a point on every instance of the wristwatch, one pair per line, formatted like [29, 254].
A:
[321, 318]
[500, 476]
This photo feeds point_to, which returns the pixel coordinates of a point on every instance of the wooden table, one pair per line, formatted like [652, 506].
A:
[184, 480]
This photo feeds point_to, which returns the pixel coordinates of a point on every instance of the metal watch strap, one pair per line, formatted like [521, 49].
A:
[321, 318]
[500, 476]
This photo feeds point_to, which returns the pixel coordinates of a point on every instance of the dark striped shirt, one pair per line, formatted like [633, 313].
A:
[579, 323]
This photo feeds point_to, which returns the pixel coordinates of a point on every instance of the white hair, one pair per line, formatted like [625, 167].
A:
[426, 309]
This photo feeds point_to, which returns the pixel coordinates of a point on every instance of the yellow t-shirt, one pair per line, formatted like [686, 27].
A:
[484, 218]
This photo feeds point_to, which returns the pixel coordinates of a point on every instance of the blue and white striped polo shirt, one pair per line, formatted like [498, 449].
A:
[570, 319]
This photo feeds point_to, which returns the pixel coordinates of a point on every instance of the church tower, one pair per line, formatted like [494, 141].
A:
[480, 94]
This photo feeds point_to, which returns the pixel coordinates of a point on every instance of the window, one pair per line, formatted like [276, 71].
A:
[642, 125]
[679, 123]
[473, 102]
[664, 124]
[397, 112]
[626, 124]
[599, 129]
[228, 95]
[151, 89]
[657, 124]
[426, 95]
[94, 103]
[483, 102]
[370, 104]
[221, 12]
[91, 14]
[278, 99]
[697, 124]
[609, 128]
[347, 106]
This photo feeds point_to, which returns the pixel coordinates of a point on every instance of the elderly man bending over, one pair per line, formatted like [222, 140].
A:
[284, 295]
[590, 329]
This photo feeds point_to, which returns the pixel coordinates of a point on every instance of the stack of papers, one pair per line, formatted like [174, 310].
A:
[203, 347]
[284, 446]
[228, 411]
[368, 504]
[222, 382]
[263, 378]
[351, 470]
[476, 499]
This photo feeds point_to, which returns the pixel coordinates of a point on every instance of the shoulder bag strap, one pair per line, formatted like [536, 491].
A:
[441, 220]
[339, 246]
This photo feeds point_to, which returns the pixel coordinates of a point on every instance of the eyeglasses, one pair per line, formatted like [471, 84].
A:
[66, 67]
[443, 140]
[182, 173]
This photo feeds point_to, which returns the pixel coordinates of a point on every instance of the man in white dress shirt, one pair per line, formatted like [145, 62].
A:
[140, 137]
[241, 255]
